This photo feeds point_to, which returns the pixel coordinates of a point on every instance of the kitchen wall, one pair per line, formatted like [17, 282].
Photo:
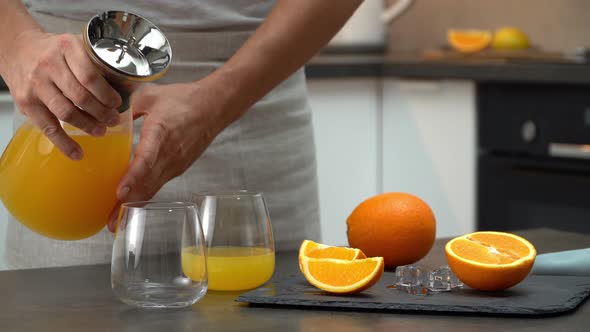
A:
[556, 25]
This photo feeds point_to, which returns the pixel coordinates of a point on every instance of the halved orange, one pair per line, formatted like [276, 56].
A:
[317, 250]
[342, 276]
[490, 260]
[469, 41]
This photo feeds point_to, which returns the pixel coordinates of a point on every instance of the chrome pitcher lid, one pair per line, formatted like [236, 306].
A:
[127, 46]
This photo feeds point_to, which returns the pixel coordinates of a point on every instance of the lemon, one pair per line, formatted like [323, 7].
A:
[509, 38]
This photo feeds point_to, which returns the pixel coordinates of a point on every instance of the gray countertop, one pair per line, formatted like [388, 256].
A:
[412, 66]
[80, 299]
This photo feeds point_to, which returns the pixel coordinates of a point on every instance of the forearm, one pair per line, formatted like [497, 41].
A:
[292, 33]
[14, 20]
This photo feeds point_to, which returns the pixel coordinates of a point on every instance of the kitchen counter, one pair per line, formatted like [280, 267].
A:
[80, 299]
[413, 66]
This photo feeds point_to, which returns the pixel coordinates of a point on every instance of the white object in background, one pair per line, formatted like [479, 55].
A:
[345, 119]
[396, 10]
[366, 29]
[429, 148]
[6, 109]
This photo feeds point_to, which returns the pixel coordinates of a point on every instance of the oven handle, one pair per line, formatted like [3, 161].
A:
[564, 150]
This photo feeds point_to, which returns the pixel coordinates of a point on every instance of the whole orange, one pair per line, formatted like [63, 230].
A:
[400, 227]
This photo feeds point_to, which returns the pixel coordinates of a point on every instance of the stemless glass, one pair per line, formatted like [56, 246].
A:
[159, 255]
[240, 244]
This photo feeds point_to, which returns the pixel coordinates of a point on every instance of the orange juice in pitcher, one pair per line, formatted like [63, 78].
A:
[69, 200]
[59, 197]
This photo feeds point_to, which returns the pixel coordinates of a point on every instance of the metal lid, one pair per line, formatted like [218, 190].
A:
[127, 45]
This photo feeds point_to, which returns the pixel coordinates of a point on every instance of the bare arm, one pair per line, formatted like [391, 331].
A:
[14, 20]
[293, 32]
[171, 141]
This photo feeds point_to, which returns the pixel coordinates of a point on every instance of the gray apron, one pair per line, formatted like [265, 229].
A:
[270, 149]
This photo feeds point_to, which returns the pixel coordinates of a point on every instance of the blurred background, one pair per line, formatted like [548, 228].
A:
[481, 108]
[552, 25]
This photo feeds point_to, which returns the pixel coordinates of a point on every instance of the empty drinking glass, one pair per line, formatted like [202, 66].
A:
[238, 232]
[159, 255]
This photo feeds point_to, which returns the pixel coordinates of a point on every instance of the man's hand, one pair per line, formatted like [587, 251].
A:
[51, 78]
[180, 121]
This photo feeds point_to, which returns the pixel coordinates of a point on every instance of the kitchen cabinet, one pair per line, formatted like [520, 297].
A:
[413, 136]
[6, 107]
[429, 147]
[346, 129]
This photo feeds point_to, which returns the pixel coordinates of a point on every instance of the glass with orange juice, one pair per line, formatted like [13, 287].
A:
[69, 200]
[238, 233]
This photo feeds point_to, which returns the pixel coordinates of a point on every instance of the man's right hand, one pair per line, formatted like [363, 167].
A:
[51, 78]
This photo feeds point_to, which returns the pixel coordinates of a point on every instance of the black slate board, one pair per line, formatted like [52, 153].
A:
[536, 295]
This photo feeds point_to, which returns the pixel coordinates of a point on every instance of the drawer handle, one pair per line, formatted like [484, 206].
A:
[563, 150]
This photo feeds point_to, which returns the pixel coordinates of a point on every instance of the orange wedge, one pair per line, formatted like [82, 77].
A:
[317, 250]
[469, 41]
[341, 276]
[490, 261]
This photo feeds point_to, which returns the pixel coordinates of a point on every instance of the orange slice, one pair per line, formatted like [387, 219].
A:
[342, 276]
[317, 250]
[490, 260]
[469, 41]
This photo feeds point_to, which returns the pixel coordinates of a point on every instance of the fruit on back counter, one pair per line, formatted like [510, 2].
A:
[490, 261]
[399, 227]
[509, 38]
[469, 41]
[473, 41]
[338, 270]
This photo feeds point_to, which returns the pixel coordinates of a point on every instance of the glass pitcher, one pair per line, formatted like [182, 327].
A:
[69, 200]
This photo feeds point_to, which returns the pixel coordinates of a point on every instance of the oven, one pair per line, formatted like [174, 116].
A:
[533, 163]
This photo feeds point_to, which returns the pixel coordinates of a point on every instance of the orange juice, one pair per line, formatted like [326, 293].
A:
[231, 268]
[58, 197]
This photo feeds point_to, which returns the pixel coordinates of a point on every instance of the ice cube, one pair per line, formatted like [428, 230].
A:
[443, 279]
[413, 279]
[408, 275]
[455, 282]
[439, 280]
[409, 278]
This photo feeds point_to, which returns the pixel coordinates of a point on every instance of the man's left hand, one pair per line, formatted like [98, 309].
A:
[180, 121]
